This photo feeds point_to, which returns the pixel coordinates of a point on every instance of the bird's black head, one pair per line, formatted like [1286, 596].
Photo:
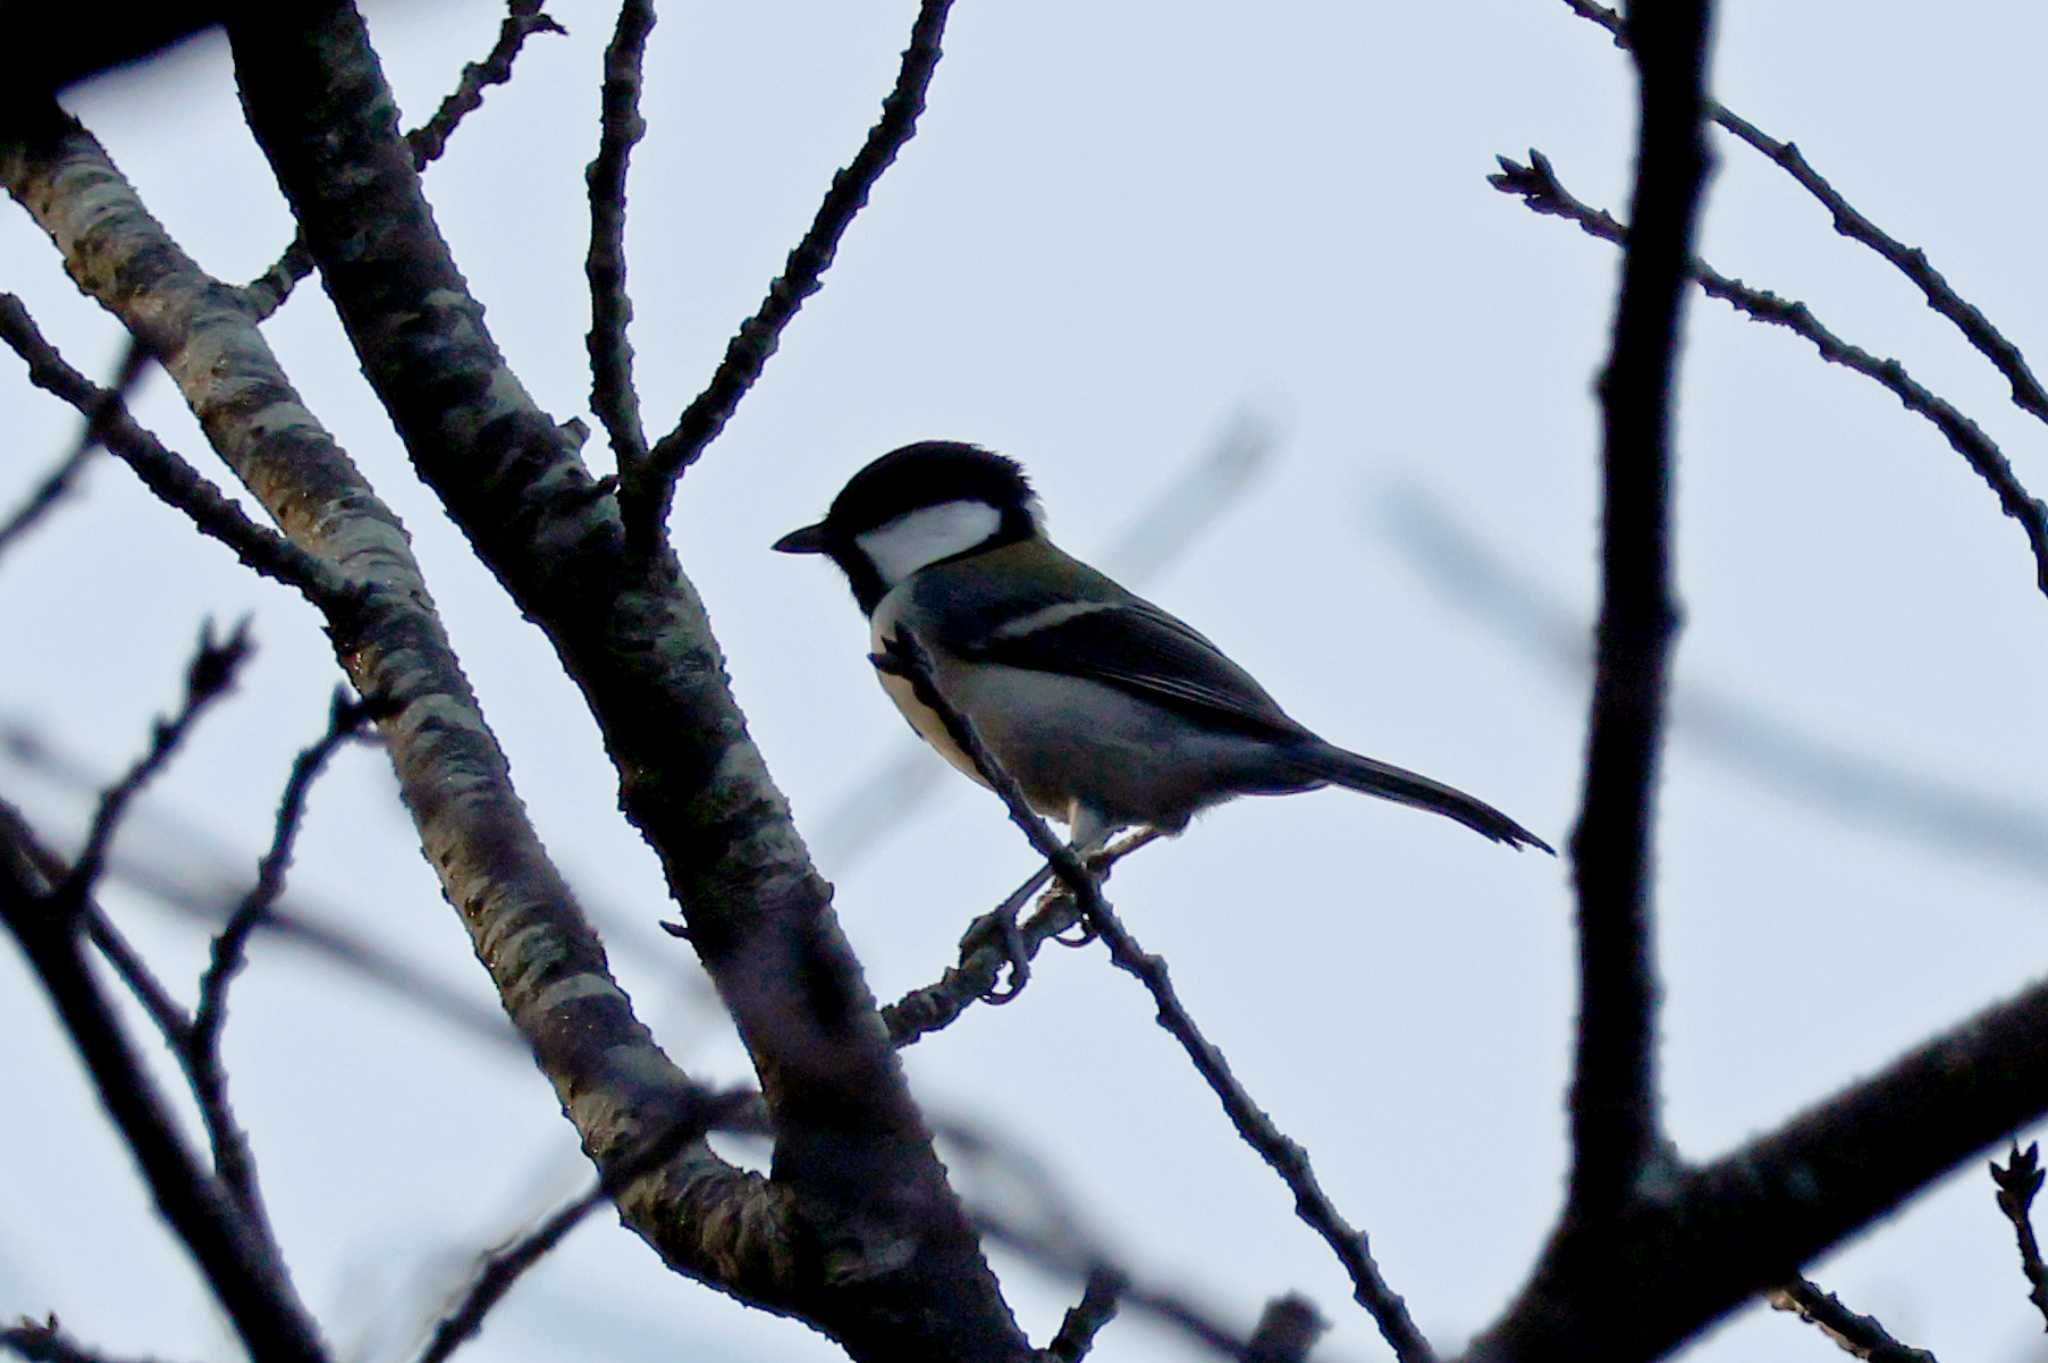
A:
[919, 505]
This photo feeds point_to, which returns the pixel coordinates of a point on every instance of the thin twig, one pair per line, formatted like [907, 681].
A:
[934, 1006]
[2027, 392]
[203, 1066]
[266, 293]
[498, 1271]
[164, 473]
[906, 656]
[1539, 188]
[611, 308]
[1084, 1320]
[1288, 1328]
[44, 1341]
[62, 480]
[1861, 1335]
[1614, 1120]
[648, 492]
[208, 677]
[2018, 1182]
[237, 1259]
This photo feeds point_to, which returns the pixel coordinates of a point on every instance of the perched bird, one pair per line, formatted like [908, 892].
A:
[1109, 712]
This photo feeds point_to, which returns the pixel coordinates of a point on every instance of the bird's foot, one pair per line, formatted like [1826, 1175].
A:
[997, 929]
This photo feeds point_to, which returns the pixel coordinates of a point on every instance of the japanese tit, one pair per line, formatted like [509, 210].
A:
[1109, 712]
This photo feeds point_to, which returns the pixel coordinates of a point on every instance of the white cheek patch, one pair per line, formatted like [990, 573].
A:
[926, 535]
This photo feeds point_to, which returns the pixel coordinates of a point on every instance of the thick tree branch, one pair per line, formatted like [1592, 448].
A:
[1538, 186]
[550, 971]
[853, 1165]
[647, 490]
[1614, 1120]
[905, 656]
[267, 293]
[248, 1281]
[1715, 1236]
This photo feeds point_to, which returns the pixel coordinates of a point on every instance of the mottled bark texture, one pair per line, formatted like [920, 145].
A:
[858, 1232]
[867, 1238]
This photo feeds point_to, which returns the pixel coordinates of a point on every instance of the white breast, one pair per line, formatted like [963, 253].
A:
[900, 547]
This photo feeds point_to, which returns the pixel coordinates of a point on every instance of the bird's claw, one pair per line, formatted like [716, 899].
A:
[999, 929]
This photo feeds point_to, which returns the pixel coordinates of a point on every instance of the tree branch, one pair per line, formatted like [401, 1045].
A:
[549, 968]
[267, 293]
[905, 656]
[1982, 334]
[175, 482]
[1615, 1129]
[250, 1283]
[63, 479]
[647, 490]
[1539, 188]
[853, 1164]
[611, 308]
[2018, 1182]
[1713, 1237]
[231, 1158]
[1857, 1334]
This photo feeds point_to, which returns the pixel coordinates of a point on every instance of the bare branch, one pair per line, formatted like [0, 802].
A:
[209, 676]
[1615, 1129]
[1538, 186]
[248, 1281]
[926, 1010]
[2018, 1182]
[266, 293]
[164, 473]
[632, 632]
[611, 308]
[231, 1158]
[2027, 392]
[1713, 1237]
[1861, 1335]
[647, 491]
[63, 479]
[906, 657]
[45, 1342]
[1288, 1328]
[1085, 1319]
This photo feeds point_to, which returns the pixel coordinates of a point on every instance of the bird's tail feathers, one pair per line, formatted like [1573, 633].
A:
[1327, 762]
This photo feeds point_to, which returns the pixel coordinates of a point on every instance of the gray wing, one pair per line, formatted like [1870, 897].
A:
[1119, 640]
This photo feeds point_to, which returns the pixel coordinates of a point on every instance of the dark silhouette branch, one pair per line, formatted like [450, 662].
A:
[1614, 1119]
[232, 1161]
[1714, 1236]
[905, 656]
[1855, 1333]
[44, 1341]
[647, 490]
[266, 293]
[1100, 1300]
[611, 308]
[1539, 188]
[208, 678]
[853, 1163]
[175, 482]
[233, 1256]
[62, 480]
[2018, 1182]
[1910, 261]
[1288, 1328]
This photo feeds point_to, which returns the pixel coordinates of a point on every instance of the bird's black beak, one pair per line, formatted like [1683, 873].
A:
[809, 540]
